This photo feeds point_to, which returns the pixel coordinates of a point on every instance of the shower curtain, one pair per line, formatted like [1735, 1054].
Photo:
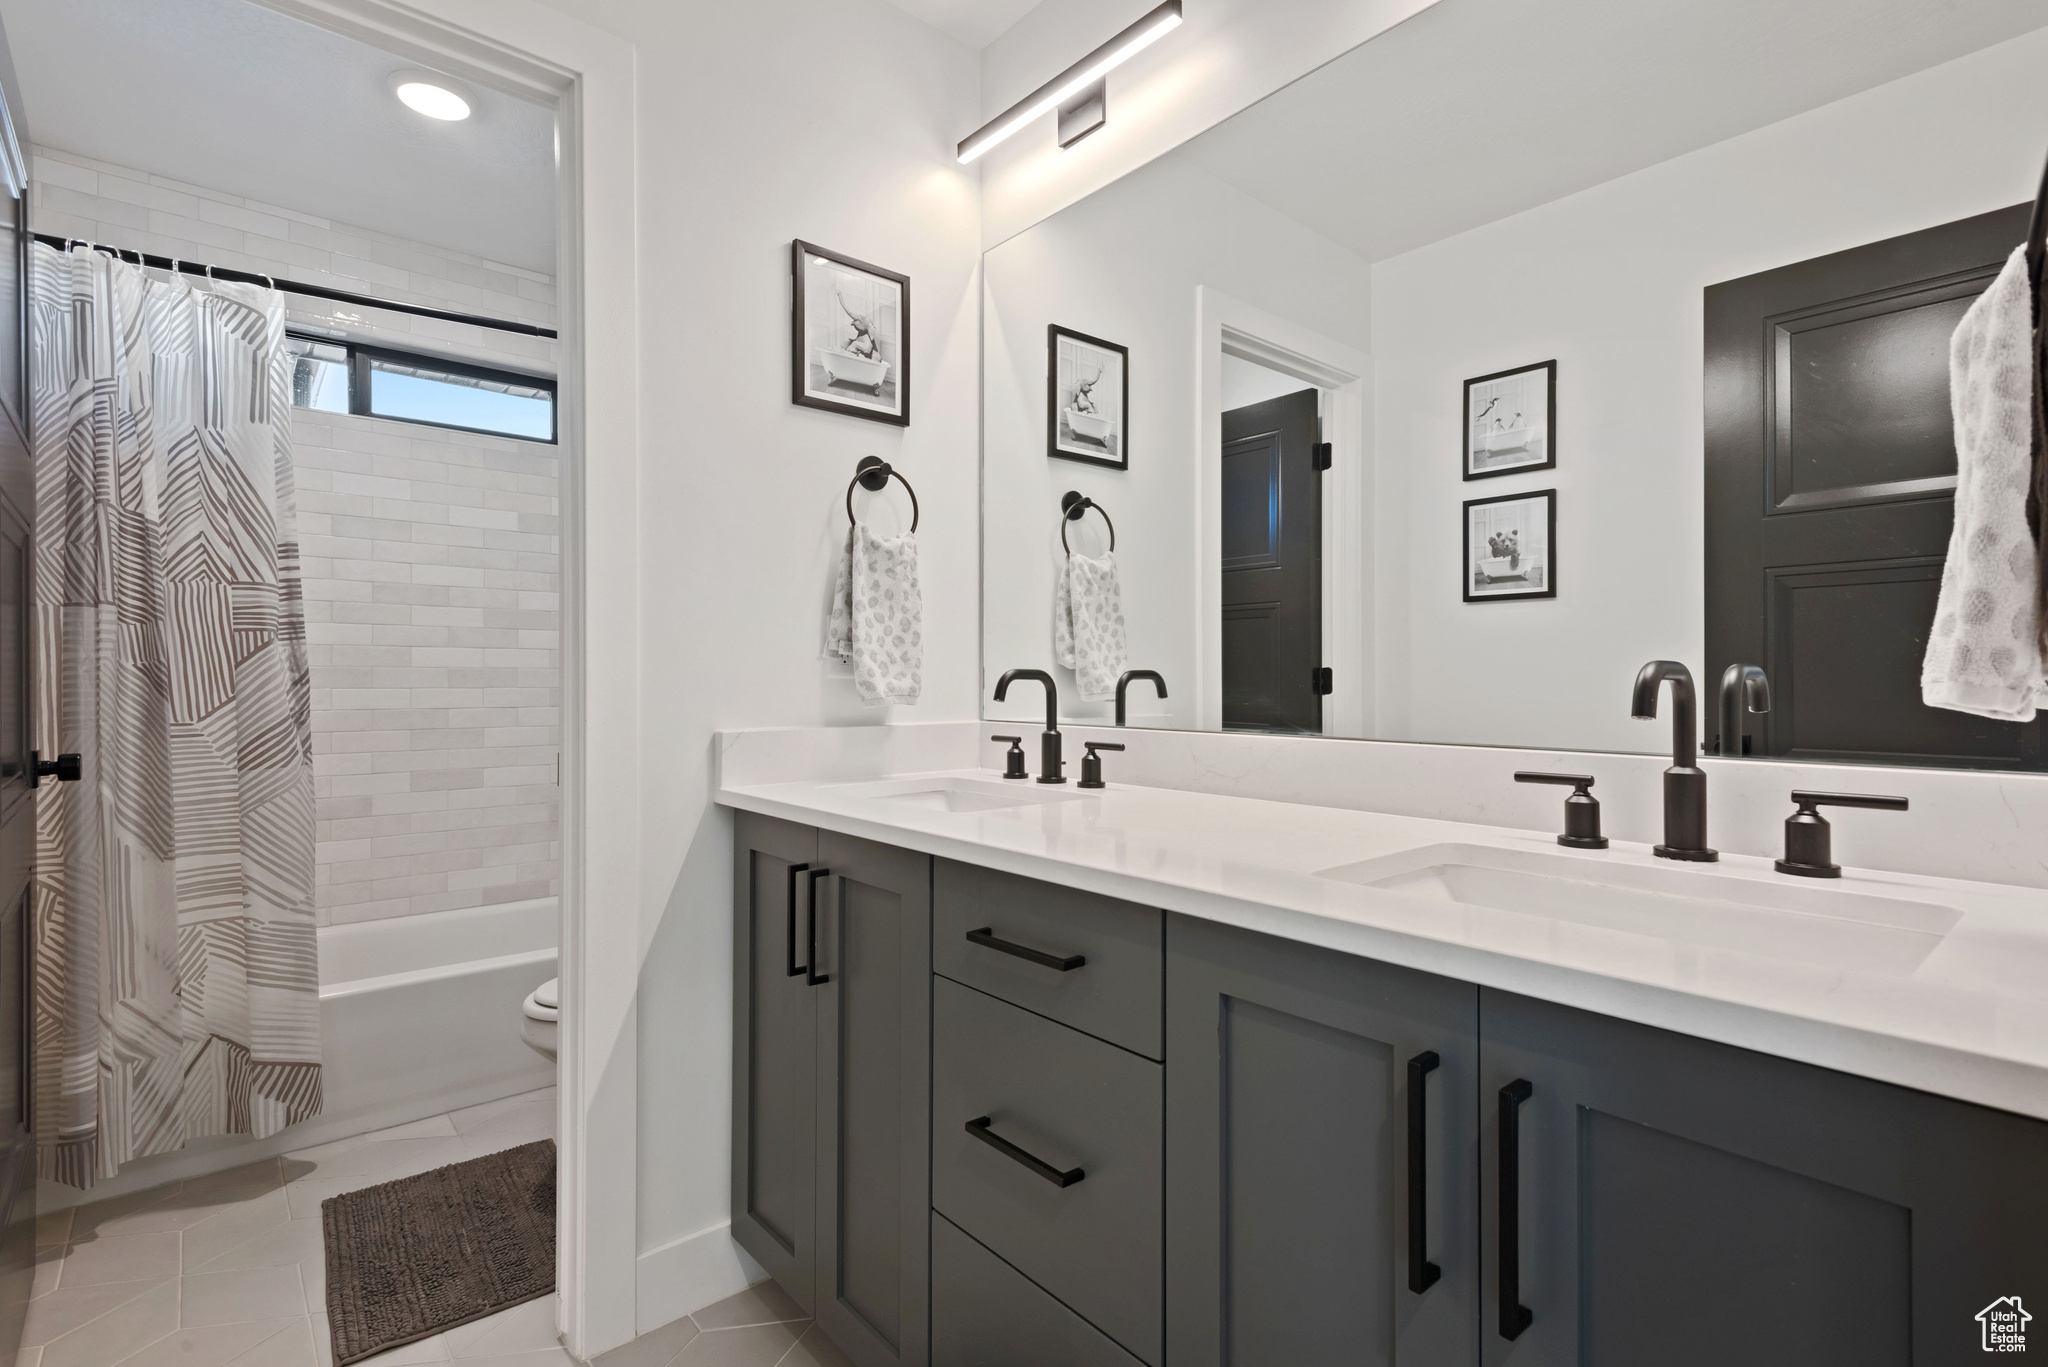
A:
[176, 984]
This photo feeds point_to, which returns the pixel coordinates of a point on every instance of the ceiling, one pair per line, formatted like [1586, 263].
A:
[976, 23]
[234, 97]
[1477, 109]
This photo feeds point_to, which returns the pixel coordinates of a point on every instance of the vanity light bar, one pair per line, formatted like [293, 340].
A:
[1073, 80]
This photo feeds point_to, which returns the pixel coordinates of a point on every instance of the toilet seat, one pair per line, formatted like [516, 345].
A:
[544, 1003]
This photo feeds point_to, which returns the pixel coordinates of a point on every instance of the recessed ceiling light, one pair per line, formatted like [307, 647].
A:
[432, 94]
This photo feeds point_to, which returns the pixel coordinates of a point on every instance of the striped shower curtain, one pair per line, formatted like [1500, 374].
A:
[176, 986]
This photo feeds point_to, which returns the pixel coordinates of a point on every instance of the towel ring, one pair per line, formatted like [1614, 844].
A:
[872, 474]
[1075, 506]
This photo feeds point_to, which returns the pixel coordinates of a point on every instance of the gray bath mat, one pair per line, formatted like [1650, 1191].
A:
[410, 1258]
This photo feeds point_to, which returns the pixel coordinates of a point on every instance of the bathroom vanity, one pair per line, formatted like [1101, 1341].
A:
[1024, 1076]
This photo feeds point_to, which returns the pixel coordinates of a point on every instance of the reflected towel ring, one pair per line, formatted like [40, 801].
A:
[872, 474]
[1075, 506]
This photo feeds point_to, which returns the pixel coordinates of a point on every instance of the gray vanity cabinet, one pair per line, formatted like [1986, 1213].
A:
[831, 1068]
[1290, 1075]
[1690, 1204]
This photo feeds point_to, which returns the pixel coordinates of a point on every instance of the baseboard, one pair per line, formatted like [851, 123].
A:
[689, 1273]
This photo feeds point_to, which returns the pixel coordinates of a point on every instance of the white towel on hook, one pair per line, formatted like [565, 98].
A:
[877, 618]
[1088, 624]
[1983, 656]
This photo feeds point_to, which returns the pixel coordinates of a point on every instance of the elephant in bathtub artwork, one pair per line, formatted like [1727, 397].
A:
[853, 341]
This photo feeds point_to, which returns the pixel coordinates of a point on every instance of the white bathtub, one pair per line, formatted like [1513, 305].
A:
[418, 1015]
[848, 368]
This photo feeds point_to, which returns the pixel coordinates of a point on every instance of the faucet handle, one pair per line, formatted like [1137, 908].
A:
[1014, 761]
[1581, 809]
[1808, 836]
[1091, 763]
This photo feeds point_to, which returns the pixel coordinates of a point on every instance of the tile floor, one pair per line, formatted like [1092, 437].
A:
[228, 1271]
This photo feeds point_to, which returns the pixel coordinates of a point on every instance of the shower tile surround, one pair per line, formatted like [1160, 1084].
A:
[430, 557]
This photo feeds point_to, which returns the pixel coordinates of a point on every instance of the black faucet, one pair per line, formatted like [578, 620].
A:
[1739, 684]
[1125, 682]
[1050, 764]
[1685, 783]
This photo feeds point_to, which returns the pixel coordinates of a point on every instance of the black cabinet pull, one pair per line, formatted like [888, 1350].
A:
[812, 976]
[1422, 1273]
[1064, 963]
[979, 1128]
[789, 939]
[1514, 1316]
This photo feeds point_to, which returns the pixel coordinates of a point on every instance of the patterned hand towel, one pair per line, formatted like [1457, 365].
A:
[1983, 655]
[1088, 625]
[878, 617]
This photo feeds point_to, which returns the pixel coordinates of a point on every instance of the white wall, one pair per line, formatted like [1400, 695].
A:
[430, 559]
[1124, 265]
[1226, 55]
[1608, 282]
[833, 121]
[1247, 382]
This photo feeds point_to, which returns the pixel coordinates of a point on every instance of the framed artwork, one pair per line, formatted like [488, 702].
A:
[1511, 547]
[1511, 421]
[849, 336]
[1087, 398]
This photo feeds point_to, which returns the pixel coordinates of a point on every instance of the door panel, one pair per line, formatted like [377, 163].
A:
[1830, 488]
[873, 1102]
[1692, 1204]
[1272, 627]
[774, 1165]
[1287, 1155]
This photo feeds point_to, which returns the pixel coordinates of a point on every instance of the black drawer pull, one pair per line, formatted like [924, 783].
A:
[1514, 1316]
[789, 937]
[979, 1128]
[812, 977]
[1422, 1273]
[986, 937]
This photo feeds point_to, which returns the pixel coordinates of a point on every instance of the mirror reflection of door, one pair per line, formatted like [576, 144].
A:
[1272, 630]
[1831, 471]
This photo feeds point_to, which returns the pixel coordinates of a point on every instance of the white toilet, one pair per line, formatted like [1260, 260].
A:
[540, 1014]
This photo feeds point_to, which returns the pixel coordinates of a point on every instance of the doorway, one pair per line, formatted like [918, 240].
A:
[1271, 552]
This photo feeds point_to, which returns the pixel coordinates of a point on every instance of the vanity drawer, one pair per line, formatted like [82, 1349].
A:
[986, 1313]
[1116, 994]
[1069, 1101]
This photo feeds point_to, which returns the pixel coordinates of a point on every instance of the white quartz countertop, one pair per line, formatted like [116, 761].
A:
[1967, 1019]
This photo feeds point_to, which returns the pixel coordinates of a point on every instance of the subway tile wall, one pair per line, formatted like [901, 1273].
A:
[431, 558]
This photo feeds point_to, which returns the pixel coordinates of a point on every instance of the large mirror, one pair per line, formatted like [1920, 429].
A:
[1528, 342]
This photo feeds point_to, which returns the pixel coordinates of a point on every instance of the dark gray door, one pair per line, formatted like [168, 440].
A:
[1272, 566]
[774, 1057]
[1689, 1204]
[1831, 470]
[17, 806]
[874, 1101]
[1288, 1081]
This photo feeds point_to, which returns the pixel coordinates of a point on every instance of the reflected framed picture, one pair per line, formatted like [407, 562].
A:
[1088, 398]
[849, 336]
[1511, 547]
[1511, 421]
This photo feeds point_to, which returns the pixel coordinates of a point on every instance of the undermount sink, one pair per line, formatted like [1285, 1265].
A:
[952, 793]
[1779, 920]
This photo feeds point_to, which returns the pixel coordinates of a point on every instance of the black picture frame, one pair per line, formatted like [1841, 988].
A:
[842, 388]
[1544, 563]
[1470, 429]
[1110, 447]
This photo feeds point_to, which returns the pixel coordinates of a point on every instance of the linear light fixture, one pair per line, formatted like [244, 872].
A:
[1073, 80]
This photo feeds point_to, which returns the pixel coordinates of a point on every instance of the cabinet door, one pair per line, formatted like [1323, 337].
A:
[774, 1051]
[1691, 1204]
[874, 1101]
[1288, 1082]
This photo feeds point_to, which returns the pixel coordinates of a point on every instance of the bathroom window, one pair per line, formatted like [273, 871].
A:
[336, 377]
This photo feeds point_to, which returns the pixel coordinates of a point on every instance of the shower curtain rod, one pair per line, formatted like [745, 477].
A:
[293, 287]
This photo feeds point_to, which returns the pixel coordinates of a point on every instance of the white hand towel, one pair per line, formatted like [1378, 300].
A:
[1088, 625]
[1983, 655]
[878, 617]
